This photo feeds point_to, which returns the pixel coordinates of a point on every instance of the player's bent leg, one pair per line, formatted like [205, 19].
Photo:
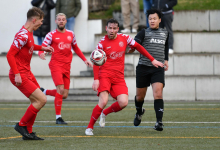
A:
[65, 93]
[122, 101]
[103, 100]
[38, 99]
[139, 101]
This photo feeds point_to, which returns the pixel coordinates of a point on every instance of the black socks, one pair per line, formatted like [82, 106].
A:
[138, 106]
[158, 107]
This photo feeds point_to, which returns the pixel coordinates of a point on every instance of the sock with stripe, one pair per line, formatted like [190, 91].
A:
[115, 107]
[31, 123]
[159, 108]
[30, 113]
[58, 103]
[95, 115]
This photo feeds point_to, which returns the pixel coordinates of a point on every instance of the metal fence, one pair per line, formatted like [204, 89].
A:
[99, 5]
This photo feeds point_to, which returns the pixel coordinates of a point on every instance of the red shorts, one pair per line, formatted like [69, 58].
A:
[60, 76]
[114, 86]
[29, 83]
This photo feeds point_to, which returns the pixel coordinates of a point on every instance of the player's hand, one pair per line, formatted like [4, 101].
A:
[42, 56]
[88, 63]
[48, 49]
[157, 63]
[95, 85]
[166, 66]
[131, 50]
[18, 80]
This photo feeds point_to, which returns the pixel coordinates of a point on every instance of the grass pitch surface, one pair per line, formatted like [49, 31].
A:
[187, 125]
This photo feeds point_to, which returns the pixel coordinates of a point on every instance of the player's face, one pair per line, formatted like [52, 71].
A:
[37, 22]
[61, 22]
[154, 21]
[112, 30]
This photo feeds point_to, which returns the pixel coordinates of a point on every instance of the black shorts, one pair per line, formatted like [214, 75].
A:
[146, 75]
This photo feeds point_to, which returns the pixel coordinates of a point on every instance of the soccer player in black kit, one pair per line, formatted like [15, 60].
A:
[155, 41]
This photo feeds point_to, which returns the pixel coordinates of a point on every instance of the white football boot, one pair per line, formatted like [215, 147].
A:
[89, 131]
[102, 120]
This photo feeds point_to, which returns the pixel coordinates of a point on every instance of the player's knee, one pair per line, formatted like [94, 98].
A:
[123, 104]
[65, 96]
[43, 100]
[139, 98]
[158, 94]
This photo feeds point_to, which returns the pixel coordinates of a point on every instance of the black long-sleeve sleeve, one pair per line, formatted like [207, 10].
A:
[166, 50]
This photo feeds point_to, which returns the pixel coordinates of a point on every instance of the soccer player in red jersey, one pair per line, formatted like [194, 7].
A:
[109, 78]
[62, 41]
[19, 58]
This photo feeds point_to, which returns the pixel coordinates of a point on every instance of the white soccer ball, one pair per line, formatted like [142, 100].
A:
[98, 57]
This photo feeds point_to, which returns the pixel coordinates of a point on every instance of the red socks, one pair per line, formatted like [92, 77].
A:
[95, 115]
[113, 108]
[51, 92]
[29, 116]
[58, 103]
[30, 124]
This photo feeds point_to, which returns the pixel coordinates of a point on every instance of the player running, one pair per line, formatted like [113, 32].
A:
[62, 40]
[19, 58]
[109, 78]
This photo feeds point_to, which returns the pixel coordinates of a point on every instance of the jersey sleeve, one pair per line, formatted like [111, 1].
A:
[140, 36]
[20, 40]
[130, 41]
[78, 52]
[11, 59]
[74, 39]
[96, 72]
[166, 50]
[48, 39]
[143, 51]
[100, 44]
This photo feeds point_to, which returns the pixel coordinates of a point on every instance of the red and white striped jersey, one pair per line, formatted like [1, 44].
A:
[24, 44]
[62, 44]
[115, 51]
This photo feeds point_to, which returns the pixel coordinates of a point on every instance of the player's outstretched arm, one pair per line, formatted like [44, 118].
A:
[144, 52]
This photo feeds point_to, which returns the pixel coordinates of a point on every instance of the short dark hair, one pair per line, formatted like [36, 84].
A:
[112, 20]
[35, 12]
[153, 11]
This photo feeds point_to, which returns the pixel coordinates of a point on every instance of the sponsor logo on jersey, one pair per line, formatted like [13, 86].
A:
[69, 38]
[63, 45]
[158, 41]
[31, 50]
[163, 34]
[121, 44]
[108, 47]
[115, 55]
[57, 38]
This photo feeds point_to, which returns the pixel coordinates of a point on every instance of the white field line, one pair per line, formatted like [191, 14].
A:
[122, 122]
[85, 105]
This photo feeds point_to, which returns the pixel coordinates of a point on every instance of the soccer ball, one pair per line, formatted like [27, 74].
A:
[98, 57]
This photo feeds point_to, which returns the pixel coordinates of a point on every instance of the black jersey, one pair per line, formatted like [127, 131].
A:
[155, 41]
